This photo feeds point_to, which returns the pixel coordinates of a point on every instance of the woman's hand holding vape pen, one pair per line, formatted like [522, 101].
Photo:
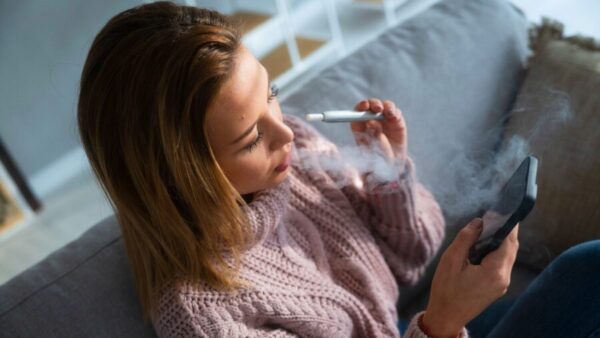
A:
[390, 132]
[460, 290]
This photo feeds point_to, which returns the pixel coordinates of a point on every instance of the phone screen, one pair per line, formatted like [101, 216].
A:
[506, 204]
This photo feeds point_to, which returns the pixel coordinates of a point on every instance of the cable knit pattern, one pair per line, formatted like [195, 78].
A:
[326, 261]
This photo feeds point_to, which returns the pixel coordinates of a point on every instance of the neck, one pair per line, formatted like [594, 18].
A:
[248, 197]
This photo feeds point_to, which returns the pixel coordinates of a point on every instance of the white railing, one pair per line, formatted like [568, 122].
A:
[289, 19]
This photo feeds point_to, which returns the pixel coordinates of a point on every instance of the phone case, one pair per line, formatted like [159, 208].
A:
[492, 243]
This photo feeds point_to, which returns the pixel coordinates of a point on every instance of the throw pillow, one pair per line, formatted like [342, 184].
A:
[557, 113]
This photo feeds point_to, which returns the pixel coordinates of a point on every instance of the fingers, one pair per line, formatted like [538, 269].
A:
[375, 105]
[458, 251]
[497, 266]
[362, 105]
[390, 111]
[505, 256]
[387, 108]
[393, 115]
[360, 126]
[513, 236]
[382, 141]
[371, 134]
[367, 131]
[361, 137]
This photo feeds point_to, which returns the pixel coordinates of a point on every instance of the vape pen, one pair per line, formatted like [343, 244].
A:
[344, 116]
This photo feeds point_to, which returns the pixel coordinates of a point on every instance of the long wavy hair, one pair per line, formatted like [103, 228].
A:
[150, 76]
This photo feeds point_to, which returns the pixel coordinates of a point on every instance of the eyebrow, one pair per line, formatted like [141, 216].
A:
[249, 130]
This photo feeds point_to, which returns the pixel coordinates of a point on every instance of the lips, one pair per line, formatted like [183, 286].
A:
[284, 164]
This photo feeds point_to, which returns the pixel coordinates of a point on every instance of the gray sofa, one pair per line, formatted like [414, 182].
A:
[454, 70]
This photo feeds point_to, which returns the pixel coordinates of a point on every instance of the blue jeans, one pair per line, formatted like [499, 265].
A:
[563, 301]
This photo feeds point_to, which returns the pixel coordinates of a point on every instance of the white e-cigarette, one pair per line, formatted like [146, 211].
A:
[344, 116]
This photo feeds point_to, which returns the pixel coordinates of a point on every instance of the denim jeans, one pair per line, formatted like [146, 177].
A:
[562, 302]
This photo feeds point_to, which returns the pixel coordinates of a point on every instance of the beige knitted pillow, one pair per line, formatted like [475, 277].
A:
[558, 111]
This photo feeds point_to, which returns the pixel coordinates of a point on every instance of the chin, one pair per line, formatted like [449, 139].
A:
[278, 178]
[274, 181]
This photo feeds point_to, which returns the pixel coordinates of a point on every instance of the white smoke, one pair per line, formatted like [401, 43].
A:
[352, 162]
[467, 182]
[476, 183]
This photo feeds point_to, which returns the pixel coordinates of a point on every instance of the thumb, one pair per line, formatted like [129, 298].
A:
[465, 239]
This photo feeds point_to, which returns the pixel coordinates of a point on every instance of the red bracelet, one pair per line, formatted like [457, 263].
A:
[424, 329]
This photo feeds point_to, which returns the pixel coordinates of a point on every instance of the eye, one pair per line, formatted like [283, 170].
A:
[274, 92]
[253, 145]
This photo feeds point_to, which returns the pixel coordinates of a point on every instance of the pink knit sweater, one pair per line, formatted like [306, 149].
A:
[326, 261]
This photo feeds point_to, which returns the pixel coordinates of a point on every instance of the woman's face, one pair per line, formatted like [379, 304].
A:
[245, 128]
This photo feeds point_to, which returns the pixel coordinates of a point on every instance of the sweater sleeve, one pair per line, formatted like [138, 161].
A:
[414, 331]
[402, 215]
[405, 219]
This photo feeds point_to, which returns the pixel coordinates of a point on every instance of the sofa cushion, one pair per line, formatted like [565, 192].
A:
[454, 71]
[556, 116]
[83, 290]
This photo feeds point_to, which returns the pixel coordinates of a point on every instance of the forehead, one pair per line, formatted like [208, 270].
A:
[239, 101]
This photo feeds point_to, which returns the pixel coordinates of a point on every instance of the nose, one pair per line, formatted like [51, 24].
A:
[282, 135]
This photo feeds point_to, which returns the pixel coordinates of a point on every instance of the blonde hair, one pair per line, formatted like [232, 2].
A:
[148, 80]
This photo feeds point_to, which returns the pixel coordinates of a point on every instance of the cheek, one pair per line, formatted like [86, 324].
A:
[248, 172]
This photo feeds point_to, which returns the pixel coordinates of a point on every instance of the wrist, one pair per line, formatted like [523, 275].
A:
[438, 328]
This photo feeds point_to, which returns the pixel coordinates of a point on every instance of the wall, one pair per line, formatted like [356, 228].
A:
[43, 45]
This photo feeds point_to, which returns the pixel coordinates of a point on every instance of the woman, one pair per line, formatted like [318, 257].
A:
[227, 234]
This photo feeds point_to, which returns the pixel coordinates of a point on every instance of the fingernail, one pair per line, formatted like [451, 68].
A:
[477, 224]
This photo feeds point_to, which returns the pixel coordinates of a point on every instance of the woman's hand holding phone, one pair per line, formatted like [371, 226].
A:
[460, 291]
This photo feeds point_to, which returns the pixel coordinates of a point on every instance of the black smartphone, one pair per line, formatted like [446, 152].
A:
[515, 201]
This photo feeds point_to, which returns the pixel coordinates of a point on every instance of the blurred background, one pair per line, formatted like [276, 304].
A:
[48, 195]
